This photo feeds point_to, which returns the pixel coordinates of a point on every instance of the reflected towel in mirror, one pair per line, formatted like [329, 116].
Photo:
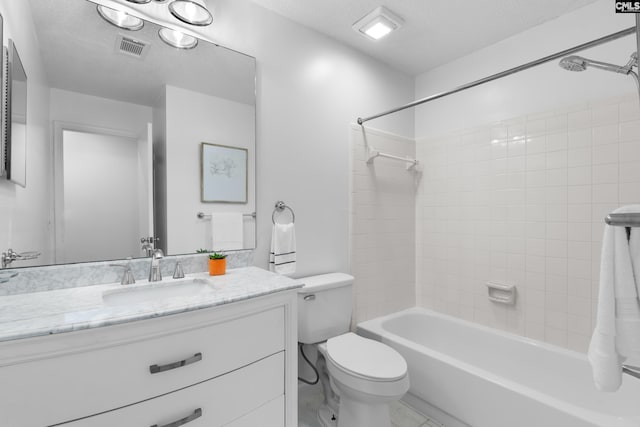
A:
[227, 231]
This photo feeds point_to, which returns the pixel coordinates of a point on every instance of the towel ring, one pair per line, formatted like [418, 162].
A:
[279, 208]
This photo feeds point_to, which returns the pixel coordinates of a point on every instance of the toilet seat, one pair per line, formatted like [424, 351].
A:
[365, 358]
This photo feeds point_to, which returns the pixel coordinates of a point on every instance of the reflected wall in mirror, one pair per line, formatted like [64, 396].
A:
[126, 127]
[16, 127]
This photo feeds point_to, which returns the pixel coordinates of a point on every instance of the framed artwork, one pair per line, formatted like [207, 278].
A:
[223, 173]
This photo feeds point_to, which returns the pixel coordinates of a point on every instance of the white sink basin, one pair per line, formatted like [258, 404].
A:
[135, 294]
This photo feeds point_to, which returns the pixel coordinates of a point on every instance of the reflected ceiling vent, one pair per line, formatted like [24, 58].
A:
[132, 47]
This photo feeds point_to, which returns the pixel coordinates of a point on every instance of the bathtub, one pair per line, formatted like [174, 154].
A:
[464, 374]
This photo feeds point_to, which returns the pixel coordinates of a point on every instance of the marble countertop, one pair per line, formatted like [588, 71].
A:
[66, 310]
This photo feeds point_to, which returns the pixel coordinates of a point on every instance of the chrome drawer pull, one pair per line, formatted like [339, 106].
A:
[196, 414]
[154, 369]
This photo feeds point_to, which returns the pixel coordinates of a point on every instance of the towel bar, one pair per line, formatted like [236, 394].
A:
[372, 154]
[203, 215]
[623, 219]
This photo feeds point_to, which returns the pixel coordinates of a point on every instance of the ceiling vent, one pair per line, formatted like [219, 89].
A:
[131, 47]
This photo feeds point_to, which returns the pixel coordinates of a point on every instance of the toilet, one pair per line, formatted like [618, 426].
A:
[359, 376]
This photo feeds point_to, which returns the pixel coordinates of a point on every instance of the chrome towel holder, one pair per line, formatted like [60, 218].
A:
[623, 219]
[279, 207]
[202, 215]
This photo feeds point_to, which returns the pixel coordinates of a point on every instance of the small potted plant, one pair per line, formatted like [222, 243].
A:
[217, 264]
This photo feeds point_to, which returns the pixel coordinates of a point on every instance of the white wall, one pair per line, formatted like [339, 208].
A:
[193, 118]
[73, 107]
[519, 175]
[25, 212]
[309, 89]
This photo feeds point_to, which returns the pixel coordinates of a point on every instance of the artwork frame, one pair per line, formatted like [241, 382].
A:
[224, 173]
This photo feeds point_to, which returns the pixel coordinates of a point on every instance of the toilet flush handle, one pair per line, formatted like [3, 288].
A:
[310, 297]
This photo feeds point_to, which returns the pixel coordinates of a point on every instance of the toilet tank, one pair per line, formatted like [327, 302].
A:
[324, 307]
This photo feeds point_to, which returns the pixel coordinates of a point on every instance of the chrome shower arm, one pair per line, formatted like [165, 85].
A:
[626, 69]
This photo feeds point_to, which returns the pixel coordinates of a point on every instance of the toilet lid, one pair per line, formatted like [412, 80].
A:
[366, 358]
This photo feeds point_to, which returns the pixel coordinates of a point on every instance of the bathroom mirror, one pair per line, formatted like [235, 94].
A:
[127, 114]
[16, 130]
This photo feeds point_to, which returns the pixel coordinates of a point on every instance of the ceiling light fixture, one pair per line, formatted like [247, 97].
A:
[120, 19]
[192, 12]
[378, 23]
[177, 39]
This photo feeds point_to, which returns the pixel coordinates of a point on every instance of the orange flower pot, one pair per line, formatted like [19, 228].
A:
[217, 267]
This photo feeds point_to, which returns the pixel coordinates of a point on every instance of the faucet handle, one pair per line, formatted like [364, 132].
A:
[178, 273]
[127, 278]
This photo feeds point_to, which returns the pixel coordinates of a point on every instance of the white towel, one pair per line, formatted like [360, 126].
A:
[616, 338]
[227, 231]
[282, 258]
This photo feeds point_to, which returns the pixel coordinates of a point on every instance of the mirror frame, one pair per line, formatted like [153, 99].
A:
[4, 71]
[13, 147]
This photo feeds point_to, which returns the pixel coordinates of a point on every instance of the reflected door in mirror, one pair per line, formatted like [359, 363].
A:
[105, 201]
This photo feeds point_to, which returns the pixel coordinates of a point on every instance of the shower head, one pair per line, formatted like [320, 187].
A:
[578, 63]
[573, 63]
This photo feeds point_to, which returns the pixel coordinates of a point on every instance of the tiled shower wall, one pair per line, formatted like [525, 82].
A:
[382, 225]
[522, 202]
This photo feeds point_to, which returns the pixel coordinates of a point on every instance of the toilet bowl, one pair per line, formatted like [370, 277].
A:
[366, 375]
[360, 376]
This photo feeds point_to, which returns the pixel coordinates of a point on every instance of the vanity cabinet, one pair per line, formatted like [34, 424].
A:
[255, 391]
[235, 365]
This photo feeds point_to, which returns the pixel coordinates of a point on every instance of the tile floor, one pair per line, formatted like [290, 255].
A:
[310, 398]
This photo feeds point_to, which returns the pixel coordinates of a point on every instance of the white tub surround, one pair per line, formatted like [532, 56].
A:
[139, 355]
[526, 206]
[383, 227]
[465, 374]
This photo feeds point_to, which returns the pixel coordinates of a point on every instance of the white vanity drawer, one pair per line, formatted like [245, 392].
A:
[222, 401]
[84, 383]
[268, 415]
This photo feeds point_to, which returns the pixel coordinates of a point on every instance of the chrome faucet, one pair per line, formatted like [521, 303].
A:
[148, 244]
[155, 275]
[11, 255]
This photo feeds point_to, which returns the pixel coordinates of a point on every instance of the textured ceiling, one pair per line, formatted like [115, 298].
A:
[434, 32]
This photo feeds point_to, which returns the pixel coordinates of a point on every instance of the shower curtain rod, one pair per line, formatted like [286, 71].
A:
[558, 55]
